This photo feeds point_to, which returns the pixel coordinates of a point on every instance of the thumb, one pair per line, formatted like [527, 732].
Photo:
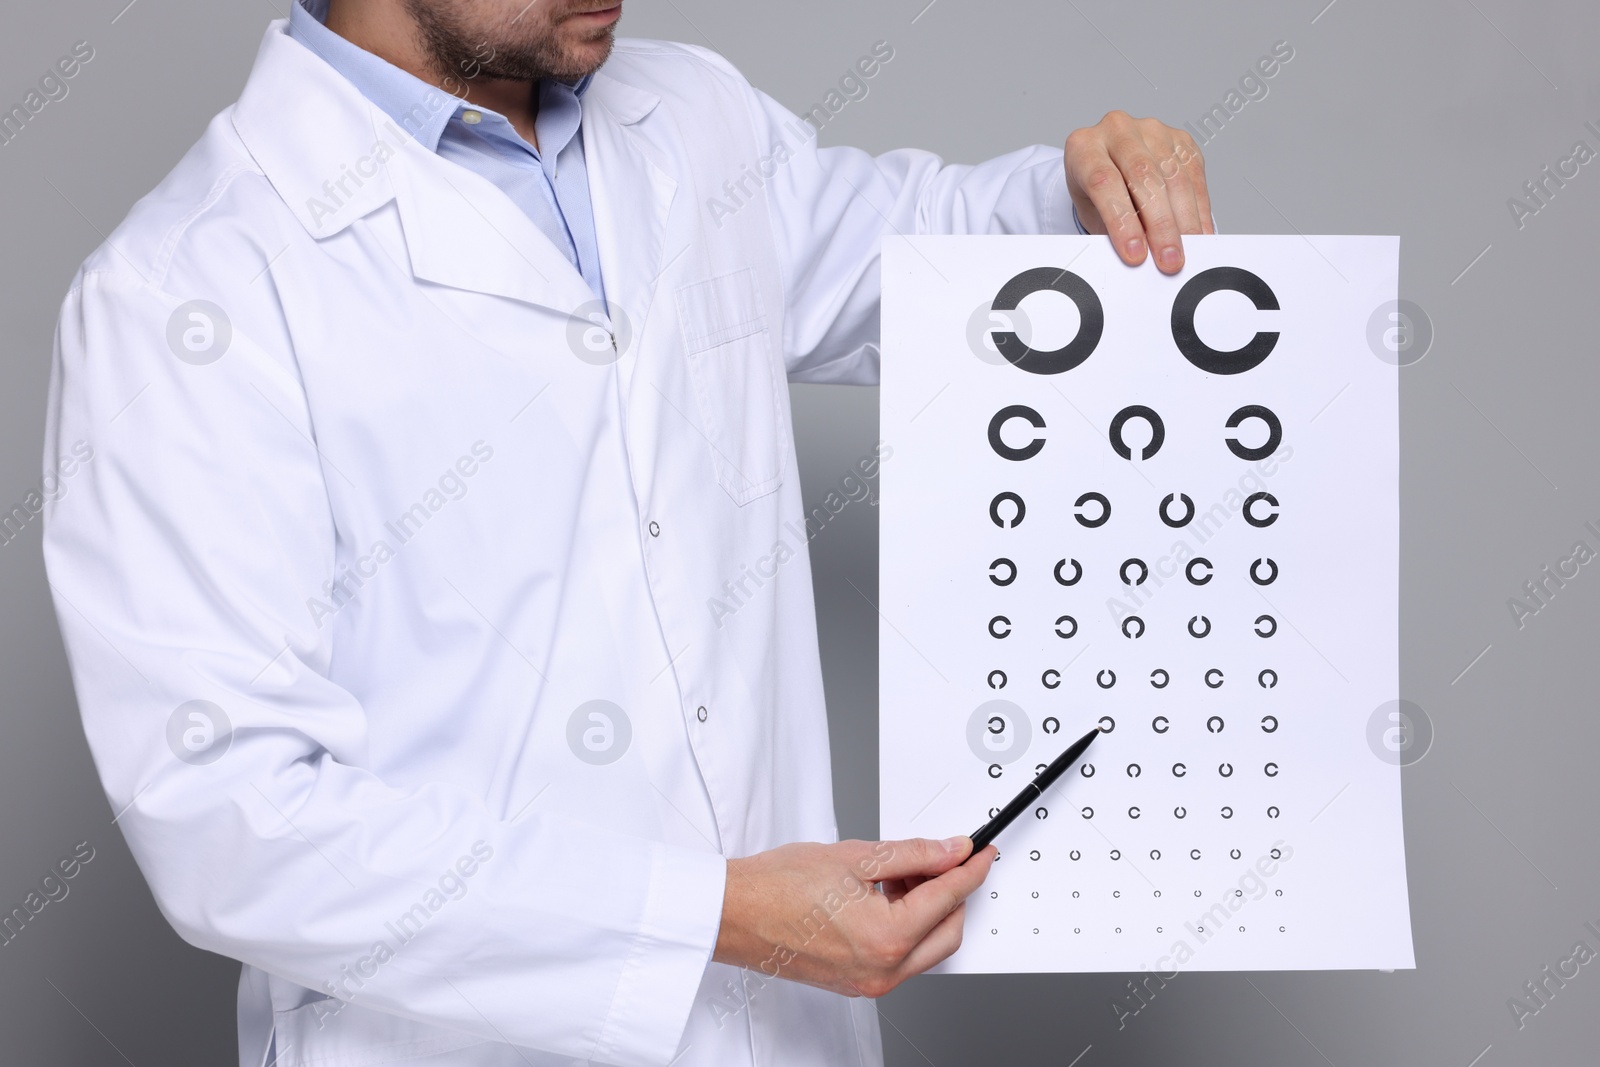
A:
[920, 856]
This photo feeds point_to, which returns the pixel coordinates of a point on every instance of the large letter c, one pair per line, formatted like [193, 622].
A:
[1197, 351]
[1091, 320]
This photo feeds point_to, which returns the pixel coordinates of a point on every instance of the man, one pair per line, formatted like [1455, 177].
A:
[436, 399]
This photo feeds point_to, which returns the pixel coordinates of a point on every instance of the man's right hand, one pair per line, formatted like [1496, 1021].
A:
[810, 913]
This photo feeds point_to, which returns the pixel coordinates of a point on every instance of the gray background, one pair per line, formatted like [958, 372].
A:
[1416, 119]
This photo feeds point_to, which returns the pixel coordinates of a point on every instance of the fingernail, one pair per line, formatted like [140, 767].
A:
[954, 844]
[1135, 248]
[1170, 258]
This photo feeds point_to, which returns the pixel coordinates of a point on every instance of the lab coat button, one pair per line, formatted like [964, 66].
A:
[701, 713]
[655, 528]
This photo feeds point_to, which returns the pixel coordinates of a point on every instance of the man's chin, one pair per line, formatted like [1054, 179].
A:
[585, 57]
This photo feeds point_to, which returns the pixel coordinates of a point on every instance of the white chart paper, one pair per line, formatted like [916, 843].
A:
[1223, 597]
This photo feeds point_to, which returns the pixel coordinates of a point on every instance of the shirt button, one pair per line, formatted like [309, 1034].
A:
[471, 118]
[701, 713]
[655, 531]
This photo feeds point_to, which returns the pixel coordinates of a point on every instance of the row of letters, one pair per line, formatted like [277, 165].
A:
[1008, 509]
[1119, 423]
[1199, 571]
[1092, 320]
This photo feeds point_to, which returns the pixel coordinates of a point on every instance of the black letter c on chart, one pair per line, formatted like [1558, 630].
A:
[1188, 512]
[1001, 521]
[1197, 351]
[1158, 431]
[1249, 411]
[1005, 415]
[1249, 512]
[1105, 510]
[1091, 320]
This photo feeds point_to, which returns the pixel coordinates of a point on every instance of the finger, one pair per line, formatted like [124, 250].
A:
[1185, 210]
[919, 856]
[1180, 191]
[1143, 177]
[905, 885]
[939, 945]
[927, 905]
[1194, 167]
[1101, 181]
[896, 888]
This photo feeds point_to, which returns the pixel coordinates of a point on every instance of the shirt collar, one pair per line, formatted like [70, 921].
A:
[422, 110]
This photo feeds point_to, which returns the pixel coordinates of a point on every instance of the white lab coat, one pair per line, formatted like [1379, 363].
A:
[373, 506]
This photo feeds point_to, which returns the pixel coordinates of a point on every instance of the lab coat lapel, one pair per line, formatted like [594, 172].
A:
[631, 195]
[315, 136]
[464, 232]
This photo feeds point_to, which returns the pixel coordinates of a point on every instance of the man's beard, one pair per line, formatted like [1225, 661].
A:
[519, 50]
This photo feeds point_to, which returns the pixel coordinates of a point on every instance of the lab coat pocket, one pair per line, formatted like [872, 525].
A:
[333, 1033]
[731, 352]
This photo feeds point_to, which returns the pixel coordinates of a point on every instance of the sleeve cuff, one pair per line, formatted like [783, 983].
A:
[1058, 214]
[676, 935]
[1078, 222]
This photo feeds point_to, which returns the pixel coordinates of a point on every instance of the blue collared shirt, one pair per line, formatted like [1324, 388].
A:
[549, 183]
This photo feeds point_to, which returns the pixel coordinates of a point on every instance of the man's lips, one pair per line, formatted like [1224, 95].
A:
[599, 14]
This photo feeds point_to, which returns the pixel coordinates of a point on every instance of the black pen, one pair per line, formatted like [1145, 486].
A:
[1031, 792]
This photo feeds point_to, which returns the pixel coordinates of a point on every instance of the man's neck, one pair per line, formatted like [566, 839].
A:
[386, 29]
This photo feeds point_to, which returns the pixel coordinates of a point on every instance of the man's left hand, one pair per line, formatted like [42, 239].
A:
[1142, 183]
